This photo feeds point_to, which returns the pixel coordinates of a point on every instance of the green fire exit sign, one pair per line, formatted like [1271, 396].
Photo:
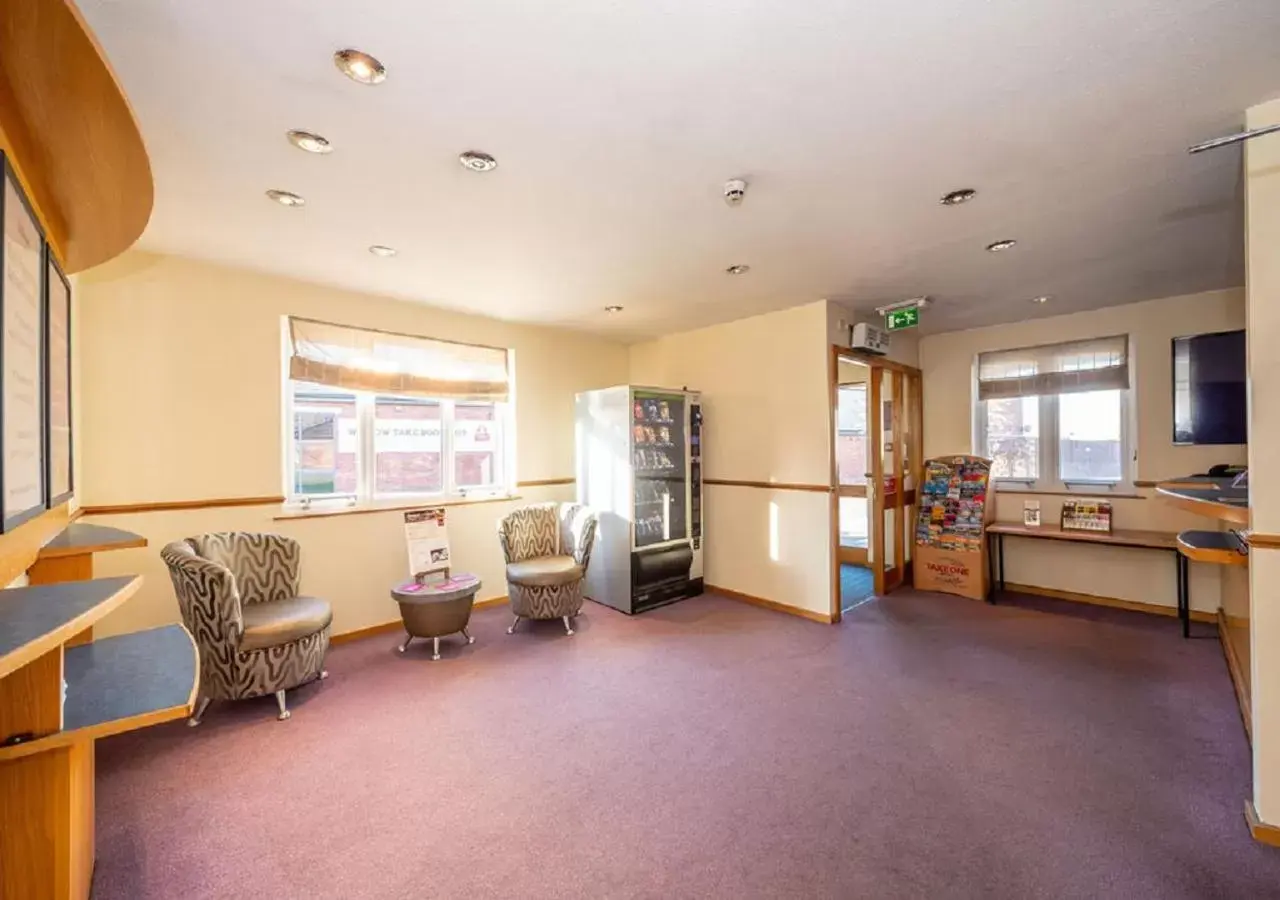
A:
[897, 319]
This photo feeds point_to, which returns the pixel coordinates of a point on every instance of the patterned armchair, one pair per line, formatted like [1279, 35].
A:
[547, 548]
[238, 593]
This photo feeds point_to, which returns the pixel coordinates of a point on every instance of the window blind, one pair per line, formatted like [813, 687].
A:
[1101, 364]
[367, 360]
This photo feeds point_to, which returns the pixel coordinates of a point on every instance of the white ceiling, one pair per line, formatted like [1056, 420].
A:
[616, 124]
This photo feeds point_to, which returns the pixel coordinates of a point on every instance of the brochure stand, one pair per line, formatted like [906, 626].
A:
[951, 549]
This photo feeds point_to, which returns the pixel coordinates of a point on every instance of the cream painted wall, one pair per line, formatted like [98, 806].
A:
[764, 386]
[180, 376]
[1142, 576]
[1262, 199]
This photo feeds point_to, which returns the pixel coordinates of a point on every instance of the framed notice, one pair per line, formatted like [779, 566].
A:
[428, 542]
[59, 477]
[22, 390]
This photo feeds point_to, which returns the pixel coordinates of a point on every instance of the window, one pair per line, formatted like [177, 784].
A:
[1056, 416]
[851, 433]
[373, 416]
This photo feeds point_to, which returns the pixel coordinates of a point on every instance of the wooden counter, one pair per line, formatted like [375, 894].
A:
[1207, 496]
[1152, 540]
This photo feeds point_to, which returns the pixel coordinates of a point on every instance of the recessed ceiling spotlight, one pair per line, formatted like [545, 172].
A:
[613, 309]
[382, 251]
[738, 270]
[286, 198]
[1042, 299]
[477, 161]
[306, 140]
[955, 198]
[997, 246]
[360, 66]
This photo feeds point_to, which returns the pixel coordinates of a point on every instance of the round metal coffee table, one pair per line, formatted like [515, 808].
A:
[436, 609]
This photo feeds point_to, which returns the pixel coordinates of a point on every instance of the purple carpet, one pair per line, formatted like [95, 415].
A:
[928, 747]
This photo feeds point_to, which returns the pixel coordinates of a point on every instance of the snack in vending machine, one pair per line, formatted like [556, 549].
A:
[664, 411]
[639, 410]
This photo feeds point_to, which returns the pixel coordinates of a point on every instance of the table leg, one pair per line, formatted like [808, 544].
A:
[1184, 609]
[470, 639]
[1000, 541]
[991, 568]
[435, 648]
[405, 645]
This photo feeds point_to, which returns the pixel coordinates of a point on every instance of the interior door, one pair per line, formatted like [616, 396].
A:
[895, 451]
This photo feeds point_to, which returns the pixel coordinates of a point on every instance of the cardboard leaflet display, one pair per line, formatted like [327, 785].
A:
[950, 553]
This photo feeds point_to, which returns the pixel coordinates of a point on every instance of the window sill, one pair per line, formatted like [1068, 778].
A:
[1037, 492]
[380, 506]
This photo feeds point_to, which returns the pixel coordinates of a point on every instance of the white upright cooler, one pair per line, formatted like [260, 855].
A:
[639, 466]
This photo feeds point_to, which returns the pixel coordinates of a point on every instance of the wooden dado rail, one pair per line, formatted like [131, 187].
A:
[116, 509]
[770, 485]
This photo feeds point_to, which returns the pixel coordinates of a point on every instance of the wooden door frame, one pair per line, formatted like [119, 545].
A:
[876, 363]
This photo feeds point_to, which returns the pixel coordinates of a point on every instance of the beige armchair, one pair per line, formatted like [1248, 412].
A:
[547, 548]
[238, 593]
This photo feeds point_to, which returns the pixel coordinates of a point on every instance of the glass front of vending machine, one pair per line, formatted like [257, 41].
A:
[658, 460]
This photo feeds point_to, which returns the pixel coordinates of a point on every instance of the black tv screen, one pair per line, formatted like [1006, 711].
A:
[1209, 389]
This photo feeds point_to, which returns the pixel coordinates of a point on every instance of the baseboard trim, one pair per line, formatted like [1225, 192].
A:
[824, 618]
[1261, 831]
[398, 625]
[1237, 675]
[1113, 602]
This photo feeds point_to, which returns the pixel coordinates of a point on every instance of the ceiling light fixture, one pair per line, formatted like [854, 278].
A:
[360, 66]
[1042, 299]
[309, 141]
[286, 198]
[613, 309]
[477, 161]
[997, 246]
[738, 270]
[382, 251]
[955, 198]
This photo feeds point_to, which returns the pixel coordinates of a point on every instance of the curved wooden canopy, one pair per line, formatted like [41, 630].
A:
[70, 133]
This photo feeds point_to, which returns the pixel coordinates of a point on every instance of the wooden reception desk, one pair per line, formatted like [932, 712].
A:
[1215, 499]
[46, 743]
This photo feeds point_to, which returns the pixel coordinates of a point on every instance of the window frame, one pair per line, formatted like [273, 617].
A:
[366, 492]
[1049, 460]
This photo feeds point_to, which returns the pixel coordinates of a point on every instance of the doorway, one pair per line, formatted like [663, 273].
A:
[876, 464]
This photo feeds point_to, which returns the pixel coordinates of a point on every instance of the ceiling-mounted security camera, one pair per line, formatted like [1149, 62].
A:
[735, 190]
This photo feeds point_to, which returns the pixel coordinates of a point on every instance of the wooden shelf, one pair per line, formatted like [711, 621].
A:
[1218, 547]
[1155, 540]
[35, 620]
[1211, 497]
[80, 538]
[122, 683]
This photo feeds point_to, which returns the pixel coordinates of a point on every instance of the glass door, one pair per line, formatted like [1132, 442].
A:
[853, 520]
[895, 462]
[659, 460]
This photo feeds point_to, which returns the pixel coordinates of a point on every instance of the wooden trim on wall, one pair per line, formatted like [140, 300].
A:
[833, 514]
[1145, 484]
[545, 482]
[398, 624]
[1237, 674]
[770, 485]
[824, 618]
[1260, 540]
[292, 514]
[873, 359]
[1112, 602]
[171, 505]
[1261, 831]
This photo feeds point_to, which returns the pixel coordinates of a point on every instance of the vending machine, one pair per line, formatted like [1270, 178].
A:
[639, 466]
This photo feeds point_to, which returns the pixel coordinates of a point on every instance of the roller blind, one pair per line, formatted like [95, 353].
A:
[1101, 364]
[388, 363]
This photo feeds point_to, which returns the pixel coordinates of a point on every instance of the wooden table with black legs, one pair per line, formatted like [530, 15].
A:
[1142, 540]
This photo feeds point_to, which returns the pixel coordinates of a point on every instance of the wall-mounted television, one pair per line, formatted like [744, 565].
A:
[1209, 389]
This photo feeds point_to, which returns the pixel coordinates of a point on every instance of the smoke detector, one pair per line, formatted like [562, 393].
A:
[735, 191]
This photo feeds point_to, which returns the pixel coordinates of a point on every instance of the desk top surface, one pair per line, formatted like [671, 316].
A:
[81, 537]
[1120, 537]
[34, 620]
[1209, 496]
